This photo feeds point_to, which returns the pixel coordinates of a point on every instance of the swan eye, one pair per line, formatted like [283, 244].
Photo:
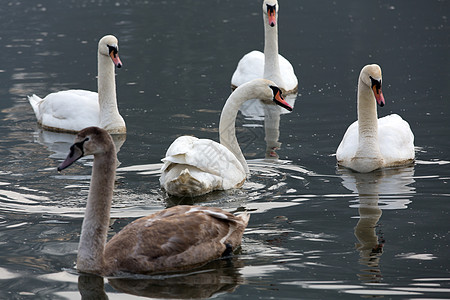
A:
[72, 150]
[81, 144]
[112, 50]
[275, 90]
[375, 83]
[271, 14]
[271, 9]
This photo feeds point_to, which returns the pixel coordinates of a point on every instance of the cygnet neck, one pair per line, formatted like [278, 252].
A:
[91, 248]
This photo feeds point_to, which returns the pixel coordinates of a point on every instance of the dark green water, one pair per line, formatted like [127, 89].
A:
[316, 231]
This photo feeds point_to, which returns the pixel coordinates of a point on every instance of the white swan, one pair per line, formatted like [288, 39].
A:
[371, 143]
[174, 239]
[269, 65]
[73, 110]
[194, 167]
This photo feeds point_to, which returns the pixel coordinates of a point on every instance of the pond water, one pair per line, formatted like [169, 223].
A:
[316, 231]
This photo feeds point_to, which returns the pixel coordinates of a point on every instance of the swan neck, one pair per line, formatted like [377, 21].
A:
[271, 57]
[367, 119]
[227, 126]
[109, 112]
[96, 219]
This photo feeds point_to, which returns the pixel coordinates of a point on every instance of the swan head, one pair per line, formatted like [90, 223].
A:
[265, 90]
[109, 46]
[89, 141]
[270, 10]
[371, 76]
[278, 97]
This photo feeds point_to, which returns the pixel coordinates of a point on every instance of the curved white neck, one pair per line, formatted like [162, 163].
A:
[367, 122]
[227, 130]
[110, 117]
[271, 60]
[96, 219]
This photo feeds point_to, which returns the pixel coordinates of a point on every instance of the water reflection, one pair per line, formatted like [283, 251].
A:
[59, 142]
[256, 110]
[217, 277]
[381, 189]
[56, 142]
[268, 178]
[91, 287]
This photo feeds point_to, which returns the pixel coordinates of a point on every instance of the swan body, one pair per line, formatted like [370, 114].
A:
[371, 143]
[194, 167]
[270, 64]
[219, 169]
[73, 110]
[174, 239]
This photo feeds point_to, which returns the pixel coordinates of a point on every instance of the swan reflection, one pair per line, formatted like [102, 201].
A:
[91, 287]
[60, 142]
[382, 189]
[256, 110]
[217, 277]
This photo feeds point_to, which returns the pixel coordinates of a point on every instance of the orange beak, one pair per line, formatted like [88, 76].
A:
[281, 102]
[378, 95]
[271, 12]
[115, 58]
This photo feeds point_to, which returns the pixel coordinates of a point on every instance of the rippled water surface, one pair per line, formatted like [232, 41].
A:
[316, 231]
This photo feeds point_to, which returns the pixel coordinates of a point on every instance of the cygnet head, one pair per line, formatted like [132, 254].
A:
[89, 141]
[371, 76]
[270, 10]
[109, 46]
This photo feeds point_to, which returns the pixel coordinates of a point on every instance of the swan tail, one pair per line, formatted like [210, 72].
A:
[185, 177]
[35, 101]
[186, 185]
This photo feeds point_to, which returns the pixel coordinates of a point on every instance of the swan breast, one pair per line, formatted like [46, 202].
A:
[395, 141]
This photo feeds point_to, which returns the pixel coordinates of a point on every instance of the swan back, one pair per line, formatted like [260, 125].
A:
[195, 167]
[175, 239]
[60, 111]
[396, 140]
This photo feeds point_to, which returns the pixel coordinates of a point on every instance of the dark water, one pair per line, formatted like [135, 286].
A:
[316, 231]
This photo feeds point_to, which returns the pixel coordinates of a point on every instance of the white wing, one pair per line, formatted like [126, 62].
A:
[395, 138]
[70, 110]
[209, 164]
